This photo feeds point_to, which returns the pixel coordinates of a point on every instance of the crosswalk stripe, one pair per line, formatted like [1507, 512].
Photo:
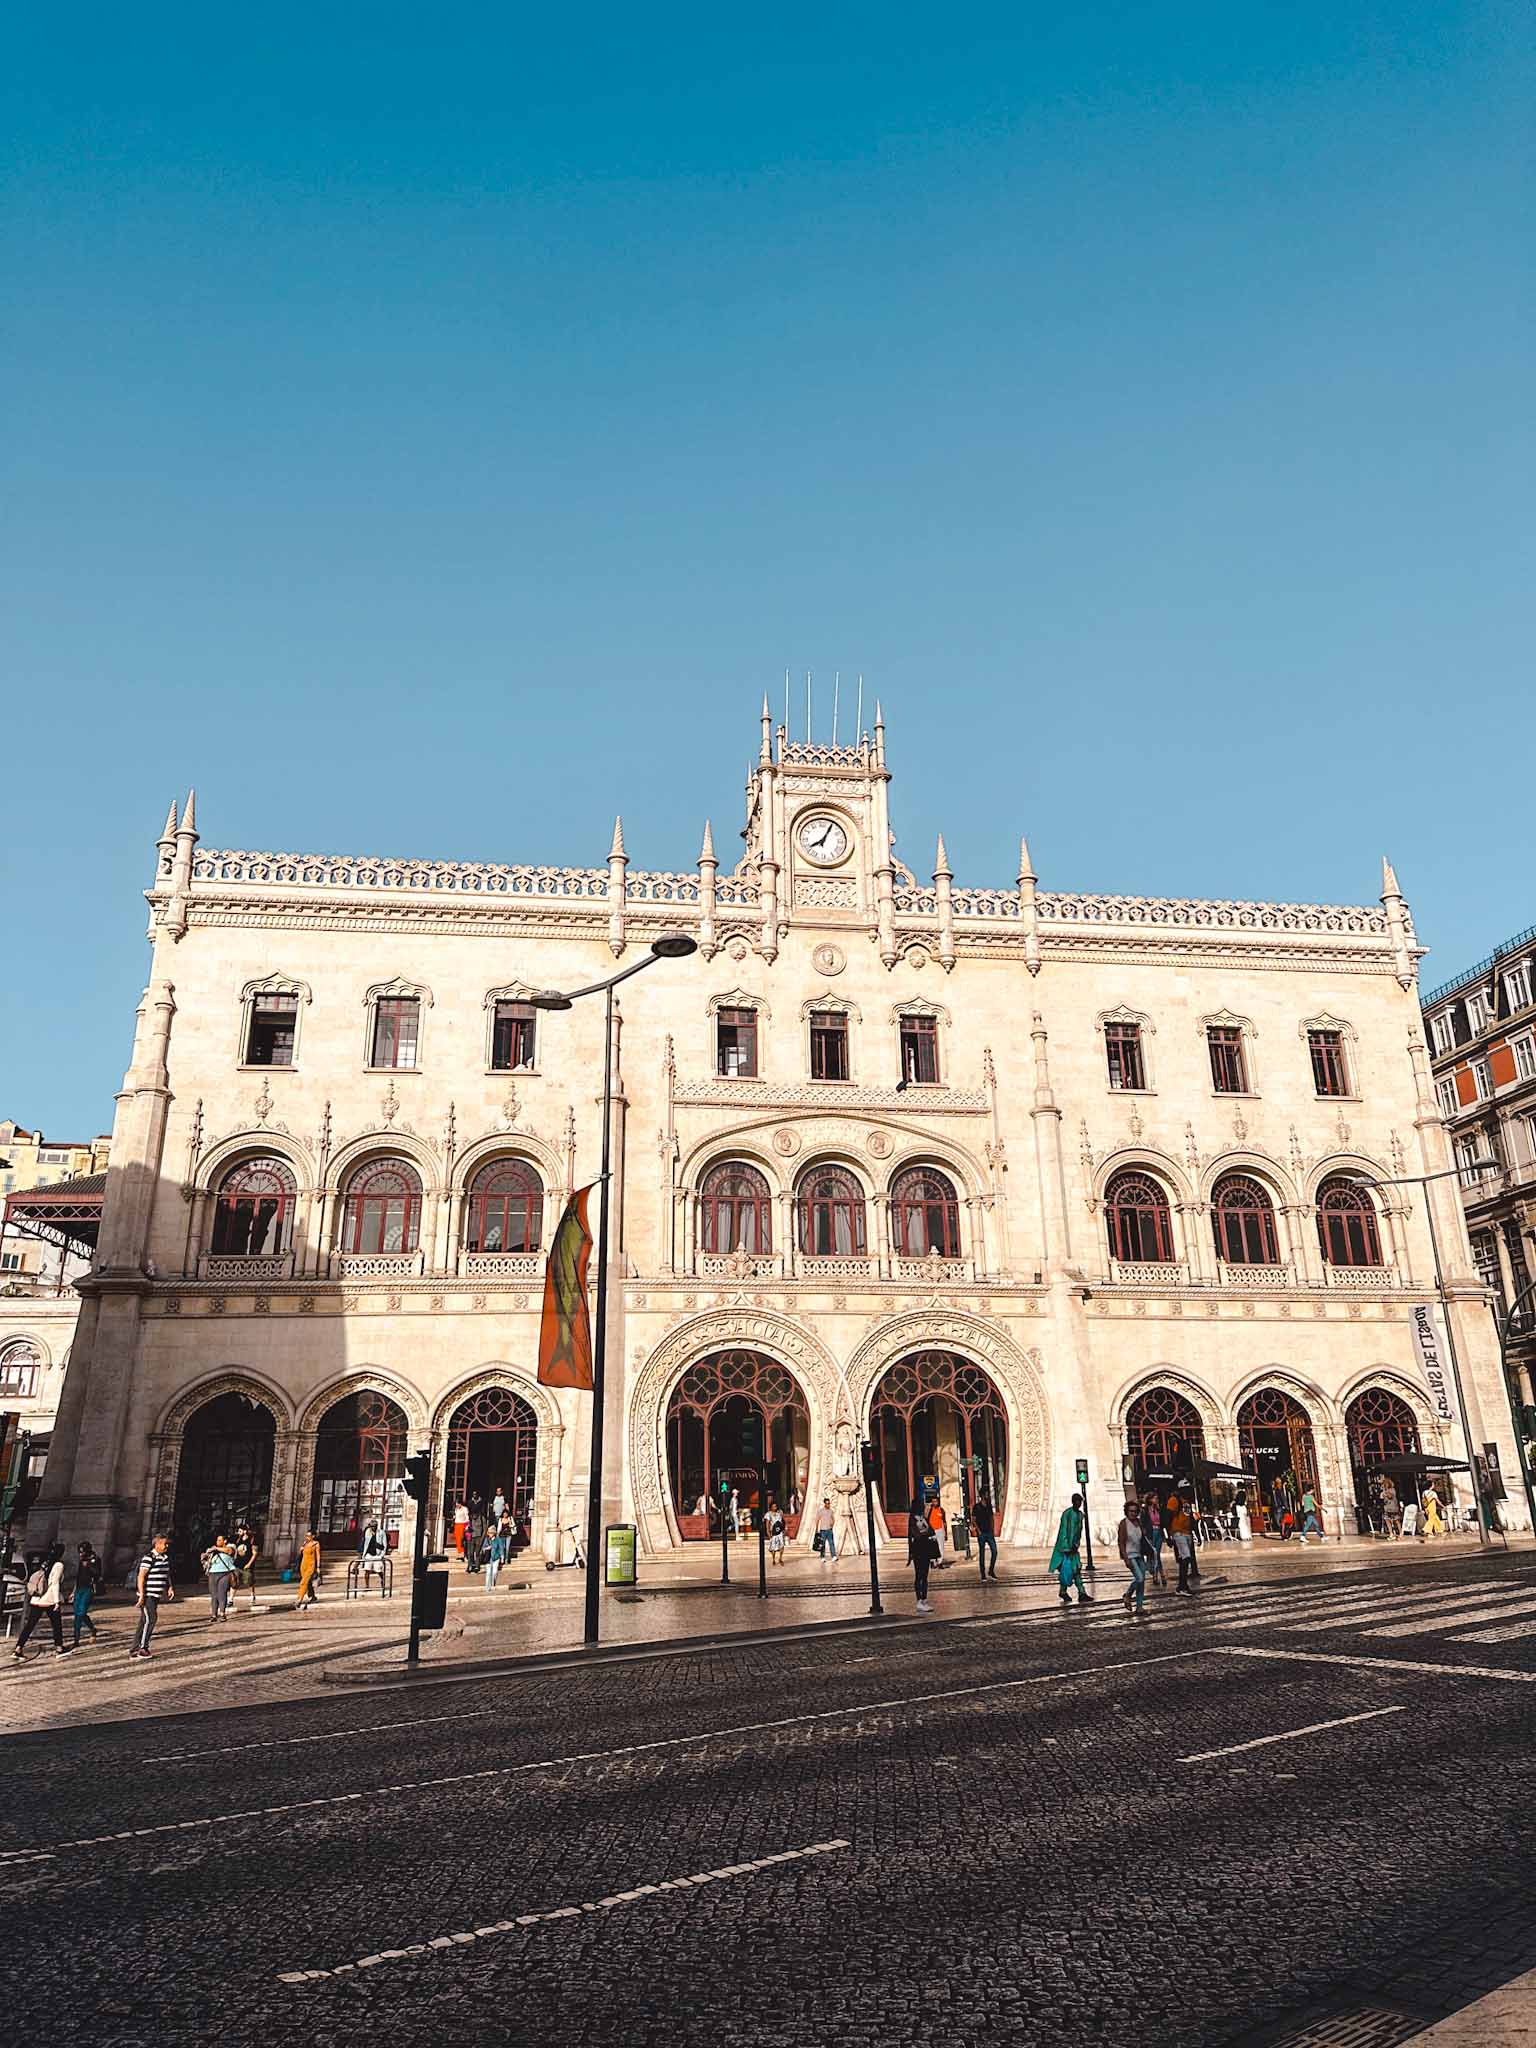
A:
[1512, 1634]
[1402, 1610]
[1423, 1628]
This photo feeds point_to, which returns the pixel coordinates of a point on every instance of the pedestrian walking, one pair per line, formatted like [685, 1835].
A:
[825, 1539]
[221, 1569]
[497, 1553]
[1311, 1519]
[1182, 1537]
[1066, 1559]
[152, 1586]
[45, 1597]
[247, 1551]
[1433, 1524]
[372, 1555]
[460, 1525]
[984, 1522]
[498, 1507]
[936, 1524]
[1132, 1542]
[90, 1576]
[1156, 1534]
[309, 1571]
[1391, 1510]
[773, 1525]
[922, 1549]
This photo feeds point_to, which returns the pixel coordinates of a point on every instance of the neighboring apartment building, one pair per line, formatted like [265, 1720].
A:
[1482, 1040]
[999, 1176]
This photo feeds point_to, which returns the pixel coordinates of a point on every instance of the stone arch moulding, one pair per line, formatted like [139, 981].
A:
[829, 999]
[268, 1144]
[750, 1143]
[388, 1142]
[746, 1329]
[1321, 1409]
[232, 1380]
[1121, 1015]
[1393, 1381]
[1199, 1396]
[365, 1379]
[1354, 1166]
[1259, 1166]
[1326, 1021]
[165, 1447]
[516, 1379]
[738, 999]
[1145, 1159]
[492, 1145]
[1227, 1020]
[14, 1338]
[919, 1006]
[1019, 1378]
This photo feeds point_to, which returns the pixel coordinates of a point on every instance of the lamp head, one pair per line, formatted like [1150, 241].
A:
[549, 999]
[674, 946]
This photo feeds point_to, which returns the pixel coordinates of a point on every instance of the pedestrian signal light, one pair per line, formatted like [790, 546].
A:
[1082, 1471]
[869, 1460]
[418, 1473]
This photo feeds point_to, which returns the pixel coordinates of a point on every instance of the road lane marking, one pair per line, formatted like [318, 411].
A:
[1358, 1663]
[1504, 1611]
[1204, 1756]
[1428, 1609]
[468, 1936]
[1086, 1672]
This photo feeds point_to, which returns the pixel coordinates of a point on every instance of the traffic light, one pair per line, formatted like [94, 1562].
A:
[752, 1438]
[869, 1461]
[418, 1475]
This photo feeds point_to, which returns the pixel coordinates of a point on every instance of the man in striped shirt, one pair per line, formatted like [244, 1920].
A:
[154, 1586]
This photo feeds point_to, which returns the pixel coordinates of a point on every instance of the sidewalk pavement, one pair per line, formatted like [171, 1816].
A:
[200, 1665]
[1506, 2018]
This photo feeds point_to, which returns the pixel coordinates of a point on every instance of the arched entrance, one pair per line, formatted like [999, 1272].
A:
[931, 1413]
[1274, 1441]
[1379, 1425]
[1164, 1438]
[224, 1476]
[721, 1411]
[359, 1469]
[493, 1442]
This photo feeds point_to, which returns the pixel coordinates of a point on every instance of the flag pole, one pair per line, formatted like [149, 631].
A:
[600, 1348]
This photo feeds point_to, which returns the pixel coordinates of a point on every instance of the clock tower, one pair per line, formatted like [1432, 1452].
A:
[819, 834]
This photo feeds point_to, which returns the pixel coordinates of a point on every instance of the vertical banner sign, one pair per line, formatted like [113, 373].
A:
[1427, 1342]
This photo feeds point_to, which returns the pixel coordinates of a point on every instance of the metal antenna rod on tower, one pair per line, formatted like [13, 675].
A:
[807, 707]
[858, 723]
[786, 704]
[837, 684]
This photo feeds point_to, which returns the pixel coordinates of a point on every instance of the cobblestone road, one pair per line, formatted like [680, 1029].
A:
[1297, 1811]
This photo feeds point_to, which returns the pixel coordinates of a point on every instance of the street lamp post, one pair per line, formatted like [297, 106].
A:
[1420, 1180]
[670, 946]
[1504, 1325]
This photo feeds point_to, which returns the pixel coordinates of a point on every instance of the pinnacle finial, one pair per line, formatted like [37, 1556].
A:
[941, 864]
[879, 717]
[1026, 866]
[766, 712]
[168, 830]
[616, 851]
[189, 815]
[1388, 879]
[707, 850]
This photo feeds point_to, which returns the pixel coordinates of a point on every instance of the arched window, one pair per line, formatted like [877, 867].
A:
[253, 1213]
[925, 1214]
[506, 1208]
[1346, 1224]
[20, 1364]
[735, 1210]
[1165, 1437]
[1380, 1425]
[1140, 1227]
[831, 1209]
[383, 1208]
[1243, 1218]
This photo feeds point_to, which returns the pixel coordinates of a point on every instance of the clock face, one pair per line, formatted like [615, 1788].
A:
[823, 841]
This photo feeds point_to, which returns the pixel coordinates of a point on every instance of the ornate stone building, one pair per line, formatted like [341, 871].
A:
[998, 1175]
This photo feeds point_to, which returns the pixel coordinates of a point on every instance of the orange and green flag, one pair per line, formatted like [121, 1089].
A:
[565, 1332]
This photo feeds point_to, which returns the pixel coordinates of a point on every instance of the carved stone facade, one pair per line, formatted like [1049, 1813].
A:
[956, 1218]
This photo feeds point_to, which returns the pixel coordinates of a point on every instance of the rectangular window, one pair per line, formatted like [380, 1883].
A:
[1468, 1152]
[1479, 1011]
[10, 1262]
[1328, 1076]
[1122, 1050]
[1482, 1079]
[829, 1045]
[512, 1037]
[1517, 987]
[920, 1048]
[1229, 1074]
[1486, 1258]
[736, 1043]
[1525, 1059]
[396, 1021]
[1440, 1031]
[18, 1375]
[1446, 1091]
[269, 1041]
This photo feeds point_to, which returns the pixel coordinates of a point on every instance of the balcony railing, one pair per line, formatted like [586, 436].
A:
[1370, 1279]
[1165, 1273]
[1231, 1274]
[818, 1268]
[377, 1265]
[502, 1265]
[934, 1268]
[258, 1266]
[738, 1265]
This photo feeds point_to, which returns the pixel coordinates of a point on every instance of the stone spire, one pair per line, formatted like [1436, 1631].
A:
[941, 864]
[1398, 927]
[944, 903]
[766, 750]
[616, 851]
[1029, 915]
[618, 861]
[181, 868]
[707, 850]
[166, 845]
[707, 869]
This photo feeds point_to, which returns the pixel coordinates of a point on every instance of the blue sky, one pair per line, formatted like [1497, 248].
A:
[430, 430]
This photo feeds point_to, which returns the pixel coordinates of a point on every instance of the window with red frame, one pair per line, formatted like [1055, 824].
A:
[1329, 1076]
[1138, 1219]
[512, 1030]
[506, 1208]
[1122, 1052]
[920, 1049]
[925, 1214]
[829, 1045]
[396, 1031]
[382, 1211]
[831, 1211]
[1243, 1219]
[735, 1210]
[1229, 1068]
[270, 1034]
[1346, 1224]
[253, 1211]
[736, 1043]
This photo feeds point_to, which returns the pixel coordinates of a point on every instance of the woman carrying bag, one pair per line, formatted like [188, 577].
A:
[922, 1549]
[44, 1597]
